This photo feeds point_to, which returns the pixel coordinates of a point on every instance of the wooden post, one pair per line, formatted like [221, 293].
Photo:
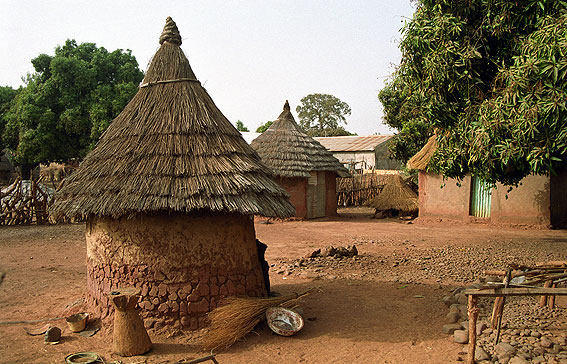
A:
[551, 300]
[543, 299]
[498, 307]
[130, 336]
[472, 311]
[496, 311]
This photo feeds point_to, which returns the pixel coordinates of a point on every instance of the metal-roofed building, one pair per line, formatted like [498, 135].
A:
[362, 152]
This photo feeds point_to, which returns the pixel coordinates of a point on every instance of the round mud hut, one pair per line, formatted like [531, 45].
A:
[305, 168]
[169, 195]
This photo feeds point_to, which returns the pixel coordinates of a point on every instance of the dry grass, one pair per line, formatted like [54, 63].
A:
[238, 316]
[171, 150]
[396, 195]
[421, 159]
[289, 152]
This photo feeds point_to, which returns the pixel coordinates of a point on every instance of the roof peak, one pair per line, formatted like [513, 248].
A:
[170, 33]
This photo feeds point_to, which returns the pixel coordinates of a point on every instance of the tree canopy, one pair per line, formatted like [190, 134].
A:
[241, 127]
[263, 127]
[322, 114]
[68, 102]
[488, 78]
[7, 94]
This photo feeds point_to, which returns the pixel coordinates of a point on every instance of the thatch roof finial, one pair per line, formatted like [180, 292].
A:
[286, 106]
[170, 33]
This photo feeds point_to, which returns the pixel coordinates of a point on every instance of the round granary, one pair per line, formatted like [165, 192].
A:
[182, 264]
[169, 195]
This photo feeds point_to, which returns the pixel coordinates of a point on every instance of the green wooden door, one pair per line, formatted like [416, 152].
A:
[481, 193]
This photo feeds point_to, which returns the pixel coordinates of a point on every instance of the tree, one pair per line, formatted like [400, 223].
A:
[321, 114]
[7, 94]
[488, 78]
[68, 102]
[240, 126]
[262, 128]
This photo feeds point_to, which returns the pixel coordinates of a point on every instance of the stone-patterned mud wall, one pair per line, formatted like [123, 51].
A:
[182, 264]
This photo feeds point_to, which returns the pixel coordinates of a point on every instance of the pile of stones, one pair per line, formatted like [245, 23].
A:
[529, 334]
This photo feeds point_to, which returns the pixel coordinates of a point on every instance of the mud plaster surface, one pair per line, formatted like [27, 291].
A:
[182, 264]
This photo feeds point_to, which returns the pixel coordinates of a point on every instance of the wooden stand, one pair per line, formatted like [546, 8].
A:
[499, 292]
[130, 336]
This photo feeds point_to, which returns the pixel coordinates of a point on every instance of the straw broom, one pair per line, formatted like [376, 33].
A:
[238, 316]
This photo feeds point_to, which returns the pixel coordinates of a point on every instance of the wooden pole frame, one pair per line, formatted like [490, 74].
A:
[472, 309]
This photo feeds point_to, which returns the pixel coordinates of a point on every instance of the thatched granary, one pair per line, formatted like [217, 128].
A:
[396, 196]
[303, 166]
[169, 193]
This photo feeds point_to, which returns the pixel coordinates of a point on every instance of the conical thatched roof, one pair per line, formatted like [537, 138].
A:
[289, 152]
[396, 195]
[171, 149]
[421, 159]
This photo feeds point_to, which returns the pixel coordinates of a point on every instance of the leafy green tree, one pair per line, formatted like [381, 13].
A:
[68, 102]
[321, 114]
[240, 126]
[488, 78]
[7, 94]
[262, 128]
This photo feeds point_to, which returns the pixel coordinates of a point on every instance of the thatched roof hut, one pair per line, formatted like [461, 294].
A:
[289, 152]
[168, 192]
[398, 196]
[171, 149]
[300, 161]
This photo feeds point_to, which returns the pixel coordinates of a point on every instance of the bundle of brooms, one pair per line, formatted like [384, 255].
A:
[238, 316]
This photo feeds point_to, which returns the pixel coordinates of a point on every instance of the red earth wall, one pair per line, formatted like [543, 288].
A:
[297, 189]
[182, 264]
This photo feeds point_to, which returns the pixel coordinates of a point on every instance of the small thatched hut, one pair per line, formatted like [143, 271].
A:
[302, 165]
[169, 193]
[396, 197]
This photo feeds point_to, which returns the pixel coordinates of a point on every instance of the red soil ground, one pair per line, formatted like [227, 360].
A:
[363, 310]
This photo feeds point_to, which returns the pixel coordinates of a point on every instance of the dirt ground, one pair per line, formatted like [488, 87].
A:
[383, 306]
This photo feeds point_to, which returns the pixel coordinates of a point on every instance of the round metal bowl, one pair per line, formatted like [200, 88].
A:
[284, 321]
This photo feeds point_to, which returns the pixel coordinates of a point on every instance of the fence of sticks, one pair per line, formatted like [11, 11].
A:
[360, 189]
[25, 202]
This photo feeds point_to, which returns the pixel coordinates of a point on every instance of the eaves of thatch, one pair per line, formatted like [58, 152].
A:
[289, 152]
[171, 150]
[421, 159]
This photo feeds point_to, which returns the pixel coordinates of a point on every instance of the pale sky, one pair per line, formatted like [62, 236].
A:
[250, 55]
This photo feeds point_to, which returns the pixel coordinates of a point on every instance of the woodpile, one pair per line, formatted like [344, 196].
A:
[360, 189]
[24, 202]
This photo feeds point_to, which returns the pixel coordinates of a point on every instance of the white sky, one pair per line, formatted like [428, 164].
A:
[250, 55]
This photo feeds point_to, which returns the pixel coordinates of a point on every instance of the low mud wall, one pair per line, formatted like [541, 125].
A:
[182, 264]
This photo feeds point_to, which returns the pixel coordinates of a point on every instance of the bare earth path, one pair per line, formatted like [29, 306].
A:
[381, 307]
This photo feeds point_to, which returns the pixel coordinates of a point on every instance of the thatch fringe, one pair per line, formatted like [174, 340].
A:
[289, 152]
[171, 149]
[421, 159]
[396, 195]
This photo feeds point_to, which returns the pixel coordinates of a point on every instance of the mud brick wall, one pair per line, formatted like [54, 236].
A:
[182, 264]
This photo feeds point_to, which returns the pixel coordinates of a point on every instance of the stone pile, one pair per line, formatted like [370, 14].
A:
[317, 263]
[529, 334]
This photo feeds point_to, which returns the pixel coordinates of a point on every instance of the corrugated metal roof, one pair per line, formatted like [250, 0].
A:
[352, 143]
